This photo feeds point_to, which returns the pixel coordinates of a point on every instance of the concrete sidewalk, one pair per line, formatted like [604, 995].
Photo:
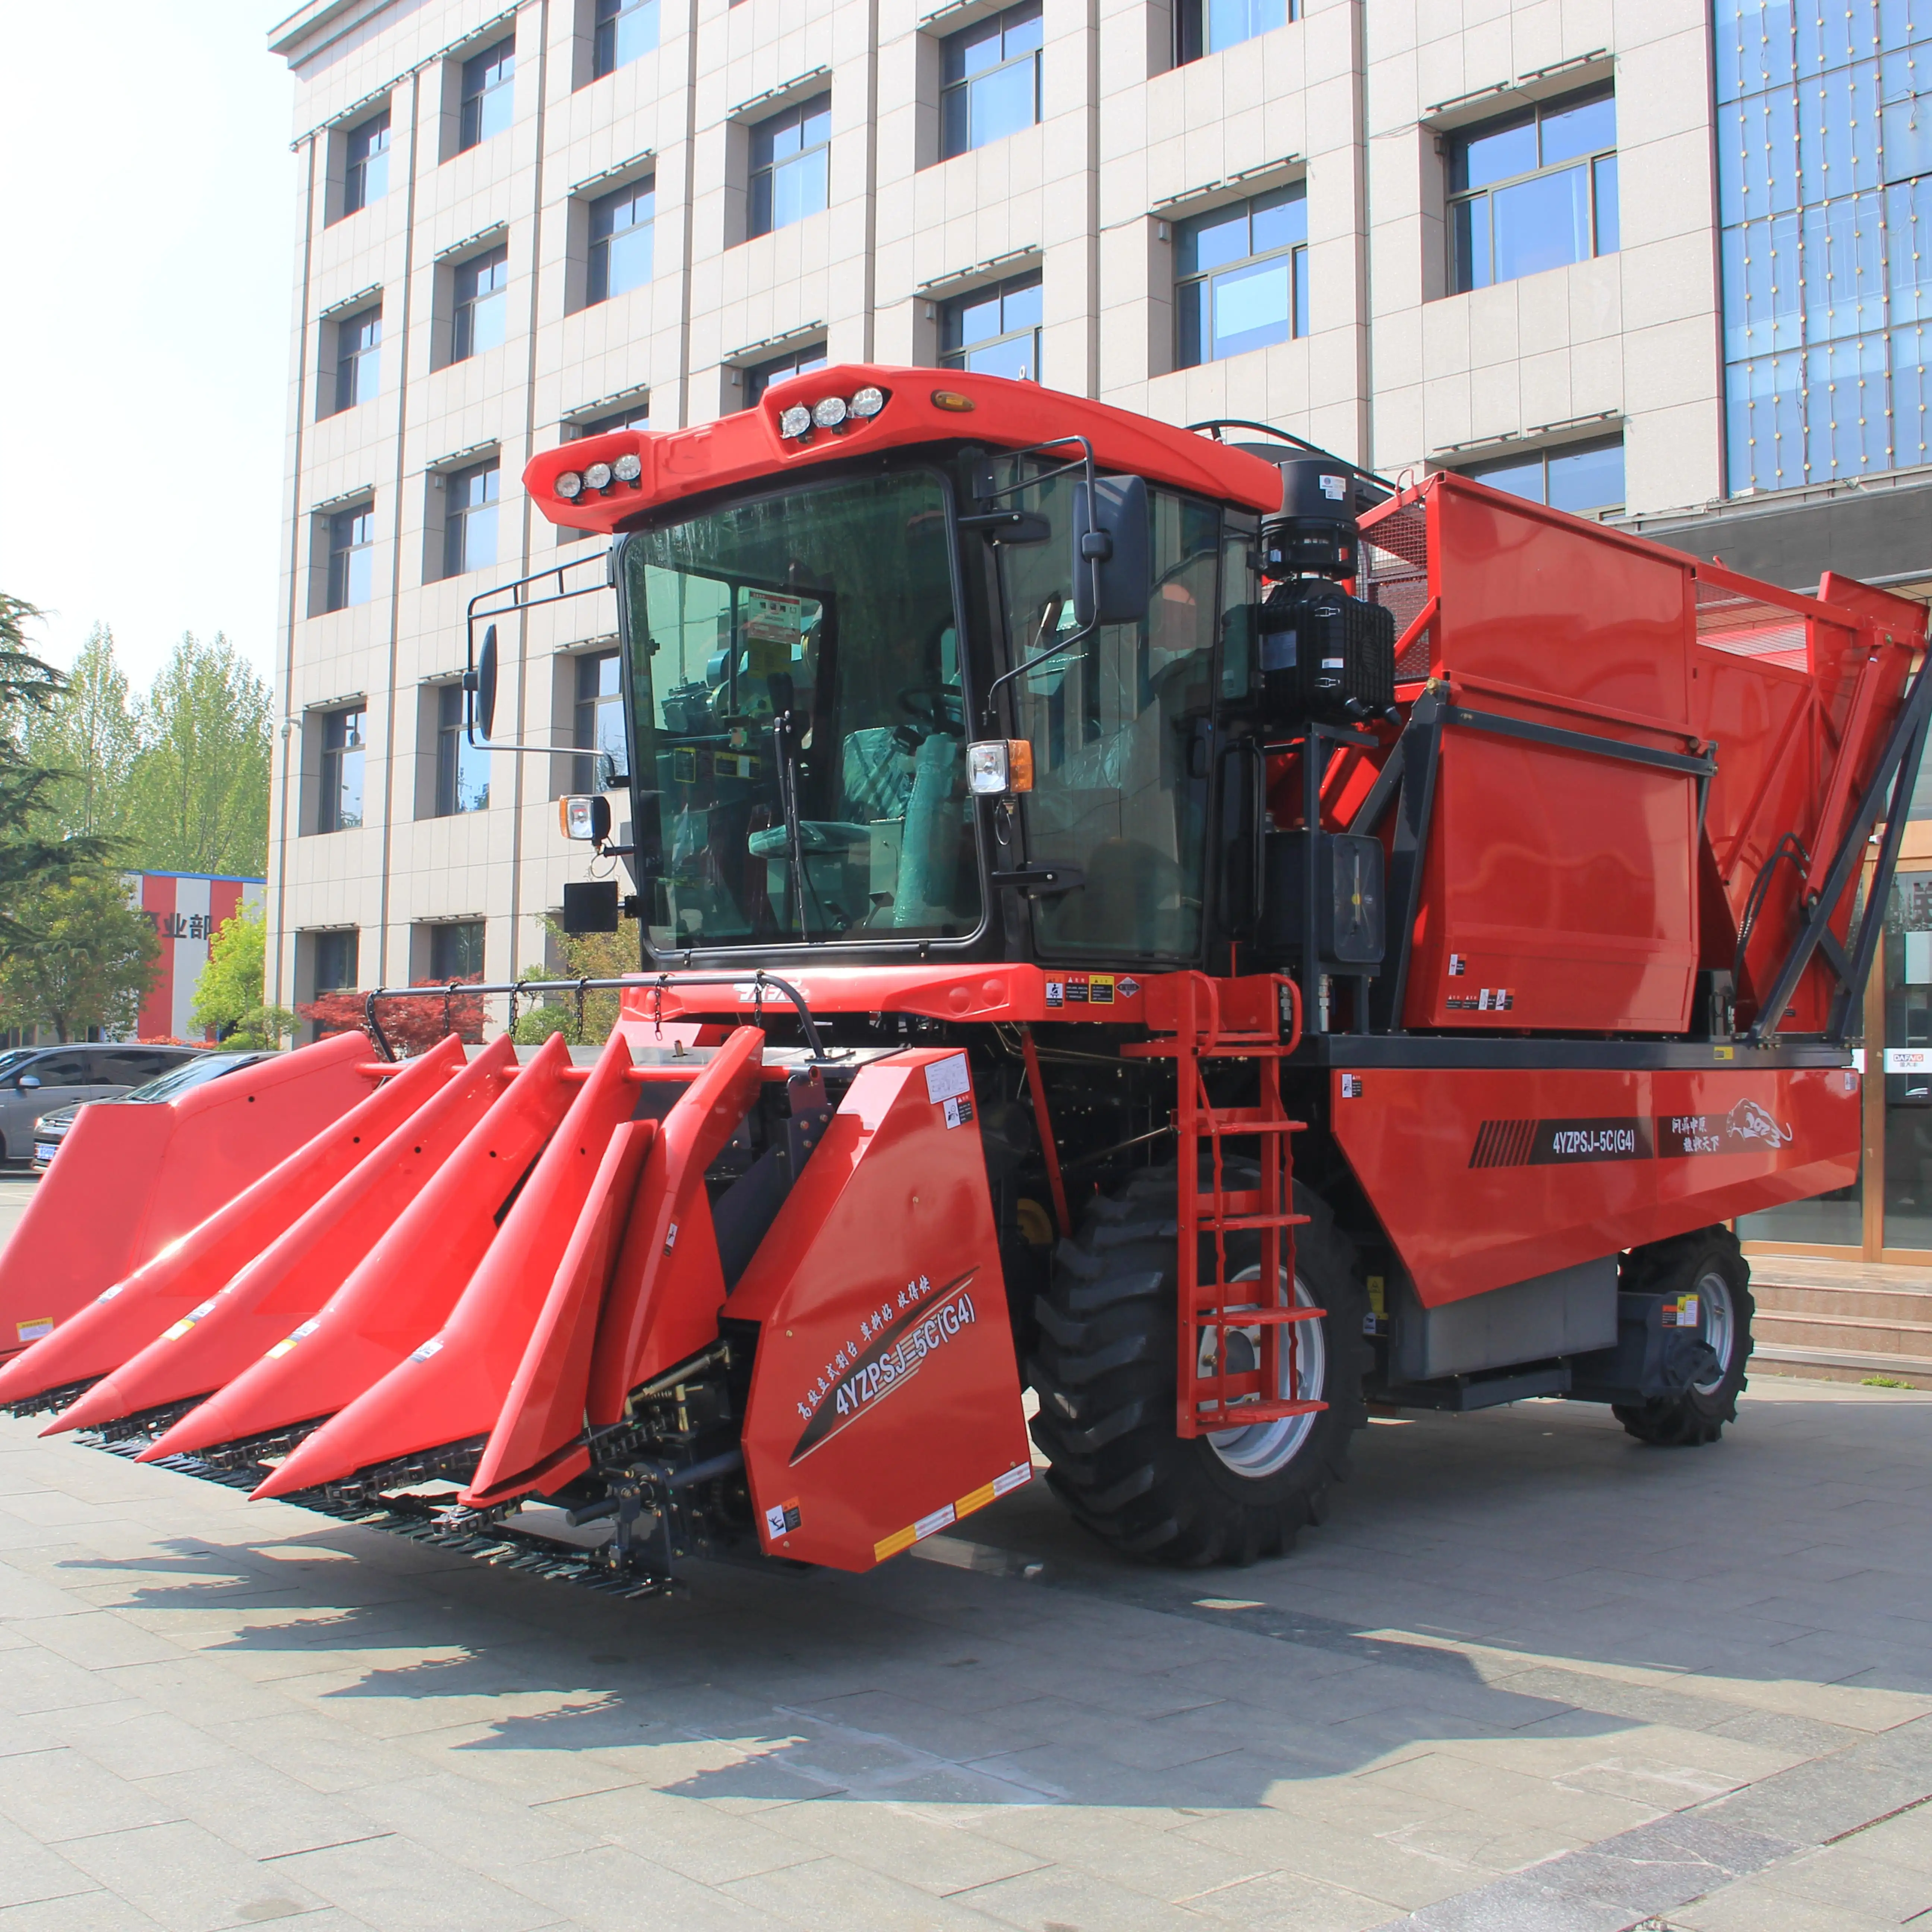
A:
[1532, 1675]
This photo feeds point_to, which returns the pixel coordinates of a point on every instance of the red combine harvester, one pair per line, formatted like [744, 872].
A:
[1159, 917]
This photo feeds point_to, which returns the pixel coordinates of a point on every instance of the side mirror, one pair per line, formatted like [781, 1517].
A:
[30, 1083]
[1110, 551]
[481, 684]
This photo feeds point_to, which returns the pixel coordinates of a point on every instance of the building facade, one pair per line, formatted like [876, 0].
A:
[1662, 260]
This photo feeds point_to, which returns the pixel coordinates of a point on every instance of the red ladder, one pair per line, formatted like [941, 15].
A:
[1208, 1397]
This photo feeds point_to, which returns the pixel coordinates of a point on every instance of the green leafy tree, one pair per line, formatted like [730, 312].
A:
[92, 959]
[31, 849]
[231, 995]
[199, 786]
[90, 735]
[581, 955]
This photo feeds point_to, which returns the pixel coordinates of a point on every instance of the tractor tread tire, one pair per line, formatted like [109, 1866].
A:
[1103, 1372]
[1692, 1420]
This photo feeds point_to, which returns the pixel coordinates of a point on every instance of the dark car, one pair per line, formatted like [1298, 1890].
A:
[52, 1128]
[37, 1080]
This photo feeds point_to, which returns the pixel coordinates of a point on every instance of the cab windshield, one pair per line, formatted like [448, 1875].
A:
[802, 651]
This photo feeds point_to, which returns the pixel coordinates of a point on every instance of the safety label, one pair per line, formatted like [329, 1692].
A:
[1089, 989]
[947, 1079]
[34, 1327]
[959, 1111]
[781, 1519]
[1680, 1312]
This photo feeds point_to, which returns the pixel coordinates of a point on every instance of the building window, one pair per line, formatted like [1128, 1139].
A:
[990, 87]
[1586, 478]
[1208, 26]
[365, 169]
[994, 331]
[1533, 190]
[598, 726]
[335, 961]
[1242, 276]
[625, 29]
[340, 807]
[1825, 212]
[620, 240]
[487, 91]
[791, 165]
[462, 769]
[358, 358]
[456, 950]
[481, 303]
[469, 519]
[352, 550]
[759, 379]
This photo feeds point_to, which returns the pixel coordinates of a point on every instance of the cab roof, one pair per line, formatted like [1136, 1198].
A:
[921, 406]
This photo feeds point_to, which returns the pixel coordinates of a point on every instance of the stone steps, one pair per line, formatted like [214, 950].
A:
[1842, 1321]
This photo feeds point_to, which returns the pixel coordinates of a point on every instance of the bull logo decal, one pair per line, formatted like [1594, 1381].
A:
[1748, 1121]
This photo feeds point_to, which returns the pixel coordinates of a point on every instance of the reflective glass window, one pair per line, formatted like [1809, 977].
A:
[462, 769]
[340, 803]
[625, 29]
[351, 540]
[990, 79]
[482, 305]
[1241, 277]
[486, 94]
[469, 519]
[996, 330]
[791, 165]
[365, 170]
[358, 358]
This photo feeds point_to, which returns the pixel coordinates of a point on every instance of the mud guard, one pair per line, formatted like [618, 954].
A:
[881, 1277]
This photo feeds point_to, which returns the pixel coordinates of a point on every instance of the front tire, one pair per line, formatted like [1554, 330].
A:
[1104, 1373]
[1709, 1265]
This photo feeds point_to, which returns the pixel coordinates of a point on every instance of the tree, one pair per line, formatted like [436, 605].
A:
[231, 995]
[409, 1026]
[28, 855]
[585, 956]
[199, 788]
[92, 960]
[90, 735]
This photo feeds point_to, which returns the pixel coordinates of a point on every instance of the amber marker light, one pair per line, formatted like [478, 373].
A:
[951, 399]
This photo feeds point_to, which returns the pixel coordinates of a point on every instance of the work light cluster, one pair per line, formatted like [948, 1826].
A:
[599, 476]
[829, 411]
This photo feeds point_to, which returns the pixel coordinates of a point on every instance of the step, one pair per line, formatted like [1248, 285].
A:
[1841, 1365]
[1882, 1334]
[1883, 1303]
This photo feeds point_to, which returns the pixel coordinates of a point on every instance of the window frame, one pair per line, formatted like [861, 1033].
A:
[335, 755]
[1192, 19]
[608, 17]
[474, 91]
[962, 86]
[440, 932]
[463, 343]
[597, 286]
[955, 355]
[356, 194]
[759, 377]
[346, 939]
[348, 361]
[1295, 252]
[1455, 144]
[350, 553]
[762, 182]
[458, 548]
[1543, 458]
[588, 706]
[450, 746]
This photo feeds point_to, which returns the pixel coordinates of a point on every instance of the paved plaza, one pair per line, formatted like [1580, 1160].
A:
[1531, 1675]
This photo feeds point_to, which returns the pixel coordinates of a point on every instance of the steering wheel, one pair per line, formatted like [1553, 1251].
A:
[933, 708]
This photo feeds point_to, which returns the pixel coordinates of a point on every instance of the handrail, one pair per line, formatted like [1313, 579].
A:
[758, 977]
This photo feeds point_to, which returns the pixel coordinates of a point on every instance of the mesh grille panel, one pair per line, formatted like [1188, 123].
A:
[1395, 574]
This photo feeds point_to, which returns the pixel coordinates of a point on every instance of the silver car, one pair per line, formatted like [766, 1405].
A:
[35, 1080]
[214, 1064]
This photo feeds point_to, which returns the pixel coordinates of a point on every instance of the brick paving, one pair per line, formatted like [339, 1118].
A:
[1531, 1675]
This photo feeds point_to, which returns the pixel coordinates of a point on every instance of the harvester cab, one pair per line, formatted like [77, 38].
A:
[1161, 919]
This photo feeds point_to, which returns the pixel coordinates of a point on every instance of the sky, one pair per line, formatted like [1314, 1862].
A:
[147, 219]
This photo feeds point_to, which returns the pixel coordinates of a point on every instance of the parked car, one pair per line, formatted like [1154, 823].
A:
[36, 1080]
[52, 1128]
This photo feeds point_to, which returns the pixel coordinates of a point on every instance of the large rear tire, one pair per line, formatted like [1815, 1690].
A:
[1709, 1265]
[1104, 1373]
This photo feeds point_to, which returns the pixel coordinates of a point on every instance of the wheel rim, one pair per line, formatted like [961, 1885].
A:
[1719, 1325]
[1264, 1448]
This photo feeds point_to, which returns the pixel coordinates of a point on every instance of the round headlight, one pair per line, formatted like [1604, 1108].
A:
[568, 485]
[829, 412]
[597, 476]
[869, 402]
[627, 469]
[795, 421]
